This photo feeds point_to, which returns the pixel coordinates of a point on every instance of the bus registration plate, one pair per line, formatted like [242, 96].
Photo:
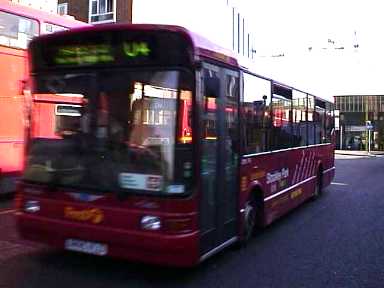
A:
[86, 247]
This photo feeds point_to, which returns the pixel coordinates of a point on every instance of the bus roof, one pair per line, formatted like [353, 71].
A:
[202, 46]
[40, 15]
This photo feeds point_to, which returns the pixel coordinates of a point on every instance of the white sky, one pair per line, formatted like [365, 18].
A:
[290, 27]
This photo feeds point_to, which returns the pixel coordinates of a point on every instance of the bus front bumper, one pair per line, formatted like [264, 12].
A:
[142, 246]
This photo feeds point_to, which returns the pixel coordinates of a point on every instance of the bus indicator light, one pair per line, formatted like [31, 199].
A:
[179, 225]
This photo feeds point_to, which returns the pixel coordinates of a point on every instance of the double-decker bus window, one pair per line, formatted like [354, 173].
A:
[311, 123]
[51, 28]
[281, 117]
[319, 119]
[256, 114]
[299, 118]
[16, 31]
[67, 119]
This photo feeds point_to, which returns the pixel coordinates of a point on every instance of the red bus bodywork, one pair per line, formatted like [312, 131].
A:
[14, 94]
[285, 179]
[292, 171]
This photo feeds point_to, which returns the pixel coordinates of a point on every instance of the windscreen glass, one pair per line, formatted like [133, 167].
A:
[131, 133]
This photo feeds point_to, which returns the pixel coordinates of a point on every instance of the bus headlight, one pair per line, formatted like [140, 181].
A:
[32, 206]
[150, 223]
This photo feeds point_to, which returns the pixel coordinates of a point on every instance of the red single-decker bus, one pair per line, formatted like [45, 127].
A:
[175, 151]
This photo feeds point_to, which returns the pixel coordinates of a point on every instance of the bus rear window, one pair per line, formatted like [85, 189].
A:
[16, 31]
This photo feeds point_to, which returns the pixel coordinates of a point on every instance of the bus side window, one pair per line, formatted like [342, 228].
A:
[320, 118]
[211, 93]
[299, 118]
[255, 114]
[311, 123]
[282, 117]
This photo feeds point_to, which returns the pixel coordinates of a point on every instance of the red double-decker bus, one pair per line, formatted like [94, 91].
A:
[18, 25]
[174, 151]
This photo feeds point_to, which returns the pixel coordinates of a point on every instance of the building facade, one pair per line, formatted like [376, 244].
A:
[357, 114]
[228, 26]
[97, 11]
[45, 5]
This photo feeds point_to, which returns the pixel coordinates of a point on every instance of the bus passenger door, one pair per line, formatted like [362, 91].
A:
[219, 157]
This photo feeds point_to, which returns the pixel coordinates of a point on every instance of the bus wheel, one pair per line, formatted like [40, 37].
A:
[249, 219]
[319, 185]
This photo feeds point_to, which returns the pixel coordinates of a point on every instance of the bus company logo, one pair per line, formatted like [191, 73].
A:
[277, 176]
[93, 215]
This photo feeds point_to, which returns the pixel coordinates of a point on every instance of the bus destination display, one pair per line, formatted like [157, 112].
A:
[128, 48]
[98, 53]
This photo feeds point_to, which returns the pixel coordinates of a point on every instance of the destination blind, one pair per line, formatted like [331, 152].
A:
[125, 48]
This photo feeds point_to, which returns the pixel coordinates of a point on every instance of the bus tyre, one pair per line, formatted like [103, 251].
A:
[249, 219]
[319, 185]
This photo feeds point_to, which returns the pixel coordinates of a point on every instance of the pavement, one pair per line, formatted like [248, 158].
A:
[359, 153]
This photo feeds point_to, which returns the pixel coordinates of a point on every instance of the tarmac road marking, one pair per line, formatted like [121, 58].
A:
[338, 183]
[7, 211]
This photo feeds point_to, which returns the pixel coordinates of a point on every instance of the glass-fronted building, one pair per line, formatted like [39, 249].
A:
[355, 111]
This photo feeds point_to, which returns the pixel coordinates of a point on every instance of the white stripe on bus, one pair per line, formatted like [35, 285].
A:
[8, 211]
[340, 184]
[288, 189]
[329, 170]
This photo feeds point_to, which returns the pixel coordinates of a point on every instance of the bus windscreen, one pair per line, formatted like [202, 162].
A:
[130, 133]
